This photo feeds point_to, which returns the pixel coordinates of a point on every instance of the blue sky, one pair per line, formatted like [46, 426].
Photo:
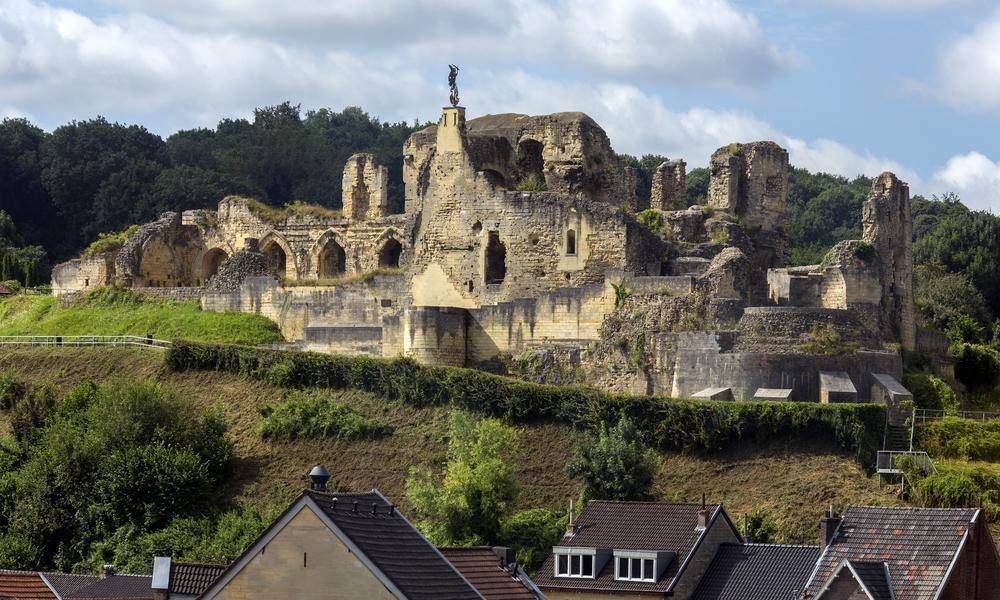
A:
[848, 86]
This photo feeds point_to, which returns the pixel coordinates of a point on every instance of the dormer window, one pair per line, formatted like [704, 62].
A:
[640, 566]
[579, 562]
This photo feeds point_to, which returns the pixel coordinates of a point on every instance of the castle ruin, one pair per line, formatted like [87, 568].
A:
[520, 249]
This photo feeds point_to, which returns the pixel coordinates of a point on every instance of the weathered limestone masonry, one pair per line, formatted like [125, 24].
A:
[520, 249]
[888, 226]
[669, 191]
[750, 181]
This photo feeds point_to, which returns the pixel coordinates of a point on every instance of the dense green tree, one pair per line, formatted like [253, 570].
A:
[616, 466]
[469, 504]
[22, 195]
[187, 187]
[697, 186]
[942, 296]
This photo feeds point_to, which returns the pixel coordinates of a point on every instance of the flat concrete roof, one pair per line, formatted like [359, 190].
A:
[836, 381]
[772, 394]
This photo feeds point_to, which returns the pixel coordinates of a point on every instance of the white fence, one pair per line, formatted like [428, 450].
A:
[83, 340]
[888, 461]
[922, 415]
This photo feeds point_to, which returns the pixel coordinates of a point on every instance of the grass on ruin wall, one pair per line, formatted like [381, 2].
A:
[114, 311]
[670, 424]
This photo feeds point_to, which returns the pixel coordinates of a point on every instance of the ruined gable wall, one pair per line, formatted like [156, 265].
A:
[83, 274]
[888, 226]
[669, 188]
[365, 188]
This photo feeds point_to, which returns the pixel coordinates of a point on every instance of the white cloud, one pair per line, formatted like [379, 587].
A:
[680, 41]
[974, 177]
[896, 5]
[968, 69]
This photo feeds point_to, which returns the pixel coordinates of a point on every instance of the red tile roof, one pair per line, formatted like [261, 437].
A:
[24, 585]
[481, 566]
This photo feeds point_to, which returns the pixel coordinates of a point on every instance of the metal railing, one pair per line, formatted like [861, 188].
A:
[926, 414]
[887, 461]
[83, 340]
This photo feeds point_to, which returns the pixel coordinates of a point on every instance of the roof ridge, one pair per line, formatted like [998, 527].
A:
[816, 546]
[657, 502]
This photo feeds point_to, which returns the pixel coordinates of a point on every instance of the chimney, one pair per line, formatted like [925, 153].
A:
[571, 524]
[828, 526]
[506, 556]
[108, 571]
[702, 514]
[319, 477]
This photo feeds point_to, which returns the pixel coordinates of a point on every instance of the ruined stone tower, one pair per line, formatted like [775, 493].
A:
[888, 226]
[365, 189]
[750, 181]
[669, 191]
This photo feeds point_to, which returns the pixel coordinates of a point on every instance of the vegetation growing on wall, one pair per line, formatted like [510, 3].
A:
[668, 423]
[106, 242]
[315, 415]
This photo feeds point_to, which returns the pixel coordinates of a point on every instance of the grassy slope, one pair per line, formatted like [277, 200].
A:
[116, 315]
[793, 483]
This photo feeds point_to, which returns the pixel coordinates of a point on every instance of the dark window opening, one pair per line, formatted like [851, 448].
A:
[477, 228]
[563, 564]
[570, 242]
[530, 165]
[276, 258]
[588, 566]
[388, 257]
[496, 259]
[332, 260]
[495, 178]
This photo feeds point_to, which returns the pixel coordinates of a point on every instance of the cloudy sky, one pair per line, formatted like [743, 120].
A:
[848, 86]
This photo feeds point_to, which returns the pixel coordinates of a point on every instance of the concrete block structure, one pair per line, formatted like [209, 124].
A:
[836, 386]
[773, 394]
[714, 394]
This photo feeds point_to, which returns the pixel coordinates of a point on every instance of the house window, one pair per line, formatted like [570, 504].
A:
[570, 243]
[575, 562]
[635, 567]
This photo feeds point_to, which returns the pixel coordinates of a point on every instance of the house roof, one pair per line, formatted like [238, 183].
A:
[385, 540]
[24, 585]
[651, 526]
[193, 578]
[919, 545]
[65, 584]
[481, 566]
[120, 587]
[5, 291]
[757, 572]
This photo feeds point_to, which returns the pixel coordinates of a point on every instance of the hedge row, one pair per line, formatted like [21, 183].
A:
[692, 425]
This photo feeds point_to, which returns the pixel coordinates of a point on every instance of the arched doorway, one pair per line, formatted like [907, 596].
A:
[332, 260]
[276, 258]
[388, 256]
[211, 262]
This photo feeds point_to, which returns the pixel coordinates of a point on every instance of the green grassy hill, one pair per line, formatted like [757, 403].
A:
[791, 481]
[114, 311]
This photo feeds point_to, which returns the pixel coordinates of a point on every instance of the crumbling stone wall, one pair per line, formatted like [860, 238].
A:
[83, 274]
[669, 189]
[888, 226]
[365, 188]
[750, 181]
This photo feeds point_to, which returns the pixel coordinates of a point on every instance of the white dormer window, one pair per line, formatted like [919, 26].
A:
[575, 562]
[638, 566]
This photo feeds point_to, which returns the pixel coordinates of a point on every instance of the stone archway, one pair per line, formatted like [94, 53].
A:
[331, 260]
[388, 256]
[211, 262]
[277, 258]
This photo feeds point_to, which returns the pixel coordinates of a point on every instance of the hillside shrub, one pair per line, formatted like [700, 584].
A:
[105, 463]
[532, 533]
[11, 389]
[106, 242]
[966, 439]
[931, 392]
[615, 466]
[312, 415]
[959, 486]
[667, 423]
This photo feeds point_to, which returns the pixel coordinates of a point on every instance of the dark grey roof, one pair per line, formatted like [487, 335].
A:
[395, 547]
[192, 578]
[481, 566]
[66, 584]
[757, 572]
[875, 577]
[652, 526]
[117, 586]
[918, 544]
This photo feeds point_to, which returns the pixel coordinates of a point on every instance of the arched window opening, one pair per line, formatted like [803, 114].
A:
[496, 259]
[332, 260]
[571, 243]
[388, 257]
[276, 258]
[211, 263]
[495, 178]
